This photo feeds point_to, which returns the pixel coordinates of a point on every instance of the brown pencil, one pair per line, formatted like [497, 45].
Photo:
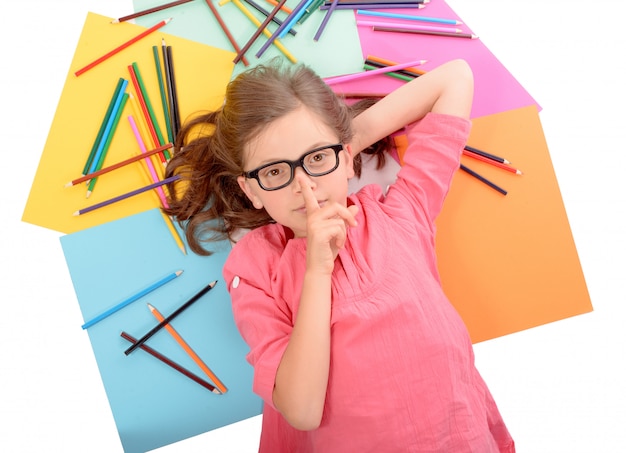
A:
[171, 363]
[130, 160]
[425, 32]
[149, 11]
[226, 30]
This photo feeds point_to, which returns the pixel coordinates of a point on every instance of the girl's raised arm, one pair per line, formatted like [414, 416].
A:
[447, 89]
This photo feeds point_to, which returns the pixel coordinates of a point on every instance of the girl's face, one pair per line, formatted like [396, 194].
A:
[288, 139]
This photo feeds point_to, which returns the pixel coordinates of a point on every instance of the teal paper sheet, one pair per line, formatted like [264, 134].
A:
[338, 51]
[152, 404]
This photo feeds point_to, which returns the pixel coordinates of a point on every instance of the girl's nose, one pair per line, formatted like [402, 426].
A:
[300, 178]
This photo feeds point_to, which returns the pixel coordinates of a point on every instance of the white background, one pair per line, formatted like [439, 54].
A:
[560, 387]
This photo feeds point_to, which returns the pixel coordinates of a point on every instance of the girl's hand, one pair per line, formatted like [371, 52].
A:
[326, 230]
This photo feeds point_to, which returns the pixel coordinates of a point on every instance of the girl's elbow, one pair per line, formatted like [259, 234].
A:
[304, 417]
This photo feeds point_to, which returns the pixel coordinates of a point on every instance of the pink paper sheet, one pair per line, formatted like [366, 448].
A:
[495, 91]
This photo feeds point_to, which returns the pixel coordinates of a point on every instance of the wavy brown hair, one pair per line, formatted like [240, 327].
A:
[208, 154]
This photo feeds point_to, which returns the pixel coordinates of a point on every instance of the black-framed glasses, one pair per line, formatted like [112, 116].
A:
[317, 162]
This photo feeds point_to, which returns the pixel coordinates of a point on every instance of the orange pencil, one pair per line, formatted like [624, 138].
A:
[222, 388]
[282, 8]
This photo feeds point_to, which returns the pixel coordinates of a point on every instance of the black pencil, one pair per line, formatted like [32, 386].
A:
[169, 318]
[471, 149]
[175, 104]
[167, 361]
[483, 179]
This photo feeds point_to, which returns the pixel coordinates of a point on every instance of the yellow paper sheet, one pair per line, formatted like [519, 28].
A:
[201, 72]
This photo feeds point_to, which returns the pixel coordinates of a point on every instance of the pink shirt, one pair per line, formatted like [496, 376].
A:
[402, 375]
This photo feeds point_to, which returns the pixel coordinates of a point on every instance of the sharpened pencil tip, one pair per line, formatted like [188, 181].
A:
[69, 184]
[167, 20]
[76, 213]
[115, 21]
[150, 307]
[179, 272]
[88, 194]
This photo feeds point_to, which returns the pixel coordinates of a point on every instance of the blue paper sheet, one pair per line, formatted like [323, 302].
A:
[152, 404]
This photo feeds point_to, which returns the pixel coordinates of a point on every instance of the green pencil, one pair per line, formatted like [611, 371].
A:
[166, 114]
[107, 115]
[395, 75]
[146, 99]
[116, 120]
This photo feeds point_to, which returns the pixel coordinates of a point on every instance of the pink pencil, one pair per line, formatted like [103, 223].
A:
[359, 75]
[407, 26]
[151, 168]
[122, 47]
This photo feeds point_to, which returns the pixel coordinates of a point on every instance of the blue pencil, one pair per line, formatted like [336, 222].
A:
[132, 299]
[108, 127]
[409, 17]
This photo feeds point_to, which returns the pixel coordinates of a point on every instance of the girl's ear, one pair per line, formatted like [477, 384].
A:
[245, 187]
[349, 161]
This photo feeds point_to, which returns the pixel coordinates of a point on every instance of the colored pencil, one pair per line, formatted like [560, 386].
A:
[373, 65]
[138, 295]
[121, 47]
[190, 352]
[148, 162]
[225, 29]
[344, 6]
[437, 20]
[175, 113]
[97, 164]
[486, 154]
[149, 11]
[261, 27]
[329, 11]
[360, 75]
[174, 232]
[126, 195]
[395, 74]
[146, 108]
[117, 165]
[107, 127]
[293, 18]
[425, 32]
[266, 13]
[171, 363]
[279, 30]
[374, 60]
[146, 99]
[309, 10]
[483, 179]
[105, 120]
[283, 8]
[406, 26]
[492, 162]
[169, 318]
[163, 94]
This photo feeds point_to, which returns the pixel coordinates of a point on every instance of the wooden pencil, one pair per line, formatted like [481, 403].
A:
[171, 317]
[126, 195]
[265, 12]
[171, 363]
[225, 29]
[424, 32]
[149, 11]
[117, 165]
[190, 352]
[483, 179]
[121, 47]
[175, 113]
[385, 62]
[495, 163]
[486, 154]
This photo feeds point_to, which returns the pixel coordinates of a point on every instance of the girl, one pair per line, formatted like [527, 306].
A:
[354, 345]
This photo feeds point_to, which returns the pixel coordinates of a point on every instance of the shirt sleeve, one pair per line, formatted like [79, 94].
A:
[431, 159]
[264, 323]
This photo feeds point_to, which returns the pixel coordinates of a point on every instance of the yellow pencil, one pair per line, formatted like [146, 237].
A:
[266, 32]
[170, 226]
[222, 388]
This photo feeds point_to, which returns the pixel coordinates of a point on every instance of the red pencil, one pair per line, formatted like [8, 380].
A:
[491, 162]
[122, 47]
[176, 366]
[150, 10]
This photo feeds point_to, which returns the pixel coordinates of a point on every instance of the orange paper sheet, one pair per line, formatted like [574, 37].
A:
[509, 263]
[202, 73]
